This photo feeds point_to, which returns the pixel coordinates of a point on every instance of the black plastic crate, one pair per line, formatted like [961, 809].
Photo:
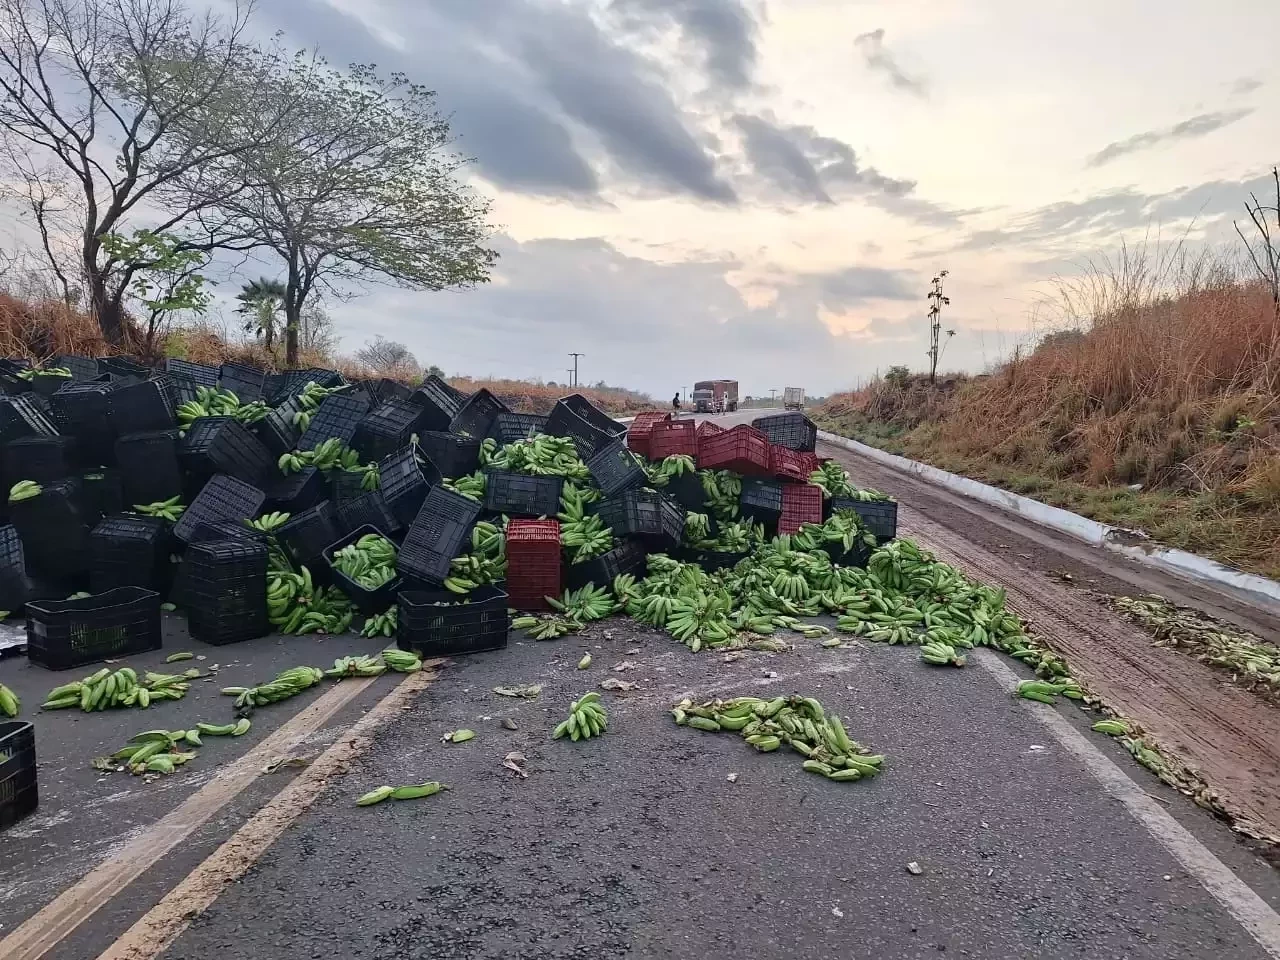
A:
[368, 510]
[123, 367]
[587, 439]
[139, 407]
[476, 416]
[368, 602]
[62, 634]
[19, 795]
[101, 494]
[713, 560]
[448, 400]
[200, 374]
[211, 530]
[627, 557]
[278, 387]
[296, 491]
[438, 534]
[453, 455]
[644, 514]
[386, 429]
[226, 591]
[761, 500]
[129, 552]
[879, 516]
[306, 534]
[346, 485]
[82, 410]
[42, 459]
[223, 498]
[521, 495]
[794, 431]
[13, 569]
[47, 384]
[242, 380]
[149, 467]
[855, 556]
[338, 416]
[435, 623]
[82, 368]
[510, 427]
[589, 412]
[688, 491]
[403, 480]
[277, 431]
[616, 469]
[387, 389]
[54, 529]
[23, 417]
[222, 445]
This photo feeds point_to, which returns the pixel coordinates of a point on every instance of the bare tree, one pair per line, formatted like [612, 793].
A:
[106, 105]
[1265, 251]
[382, 354]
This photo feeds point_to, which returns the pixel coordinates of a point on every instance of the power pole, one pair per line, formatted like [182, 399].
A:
[773, 393]
[574, 371]
[936, 302]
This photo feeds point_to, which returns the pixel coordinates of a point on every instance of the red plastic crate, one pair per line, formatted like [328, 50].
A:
[641, 426]
[743, 449]
[801, 504]
[708, 428]
[533, 563]
[672, 438]
[791, 464]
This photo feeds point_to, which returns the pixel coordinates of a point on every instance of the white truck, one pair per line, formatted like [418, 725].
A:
[793, 398]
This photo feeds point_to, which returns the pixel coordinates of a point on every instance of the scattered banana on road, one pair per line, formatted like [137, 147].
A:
[106, 689]
[381, 624]
[411, 792]
[287, 683]
[9, 702]
[24, 490]
[587, 718]
[401, 661]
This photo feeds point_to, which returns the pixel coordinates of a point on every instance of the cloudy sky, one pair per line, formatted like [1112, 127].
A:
[762, 189]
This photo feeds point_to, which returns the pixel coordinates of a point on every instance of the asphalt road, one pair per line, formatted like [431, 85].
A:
[656, 840]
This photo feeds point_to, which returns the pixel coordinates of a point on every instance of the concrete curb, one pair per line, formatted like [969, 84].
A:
[1116, 539]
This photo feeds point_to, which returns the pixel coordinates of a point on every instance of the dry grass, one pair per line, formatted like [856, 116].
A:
[1171, 380]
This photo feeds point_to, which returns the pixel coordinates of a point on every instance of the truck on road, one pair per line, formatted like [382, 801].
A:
[793, 398]
[715, 396]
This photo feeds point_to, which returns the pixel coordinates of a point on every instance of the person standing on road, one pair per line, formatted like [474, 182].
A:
[675, 404]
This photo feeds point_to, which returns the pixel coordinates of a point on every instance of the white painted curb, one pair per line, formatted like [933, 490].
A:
[1082, 528]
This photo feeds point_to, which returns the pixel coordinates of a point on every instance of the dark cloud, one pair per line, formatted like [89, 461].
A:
[878, 58]
[855, 285]
[1197, 126]
[723, 32]
[801, 163]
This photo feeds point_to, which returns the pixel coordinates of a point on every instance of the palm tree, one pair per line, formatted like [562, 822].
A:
[261, 300]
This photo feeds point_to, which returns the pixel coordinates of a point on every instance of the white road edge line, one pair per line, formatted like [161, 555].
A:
[1247, 908]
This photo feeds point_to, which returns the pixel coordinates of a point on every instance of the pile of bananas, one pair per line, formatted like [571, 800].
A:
[1045, 692]
[361, 666]
[548, 627]
[106, 689]
[471, 486]
[401, 661]
[411, 792]
[44, 372]
[287, 683]
[844, 528]
[587, 719]
[248, 413]
[9, 702]
[540, 456]
[170, 509]
[295, 606]
[697, 528]
[938, 654]
[24, 490]
[486, 563]
[585, 604]
[269, 522]
[330, 455]
[586, 535]
[309, 399]
[160, 751]
[370, 562]
[381, 624]
[678, 465]
[723, 493]
[211, 402]
[801, 723]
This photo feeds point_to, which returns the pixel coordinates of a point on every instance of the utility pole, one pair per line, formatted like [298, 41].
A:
[773, 392]
[574, 371]
[936, 302]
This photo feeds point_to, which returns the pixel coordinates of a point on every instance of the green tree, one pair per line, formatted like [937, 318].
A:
[362, 188]
[164, 278]
[260, 302]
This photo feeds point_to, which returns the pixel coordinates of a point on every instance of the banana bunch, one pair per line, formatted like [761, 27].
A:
[270, 522]
[587, 719]
[541, 455]
[302, 420]
[295, 606]
[1113, 728]
[208, 402]
[1044, 692]
[833, 480]
[24, 490]
[369, 562]
[121, 688]
[411, 792]
[586, 535]
[250, 413]
[697, 527]
[723, 492]
[362, 666]
[844, 528]
[9, 702]
[487, 561]
[488, 450]
[585, 604]
[287, 683]
[237, 729]
[701, 620]
[169, 509]
[895, 563]
[401, 661]
[471, 486]
[309, 399]
[152, 751]
[382, 624]
[801, 723]
[676, 466]
[293, 461]
[372, 479]
[941, 655]
[547, 628]
[45, 371]
[334, 455]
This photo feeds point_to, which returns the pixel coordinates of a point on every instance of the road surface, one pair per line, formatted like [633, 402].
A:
[1028, 835]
